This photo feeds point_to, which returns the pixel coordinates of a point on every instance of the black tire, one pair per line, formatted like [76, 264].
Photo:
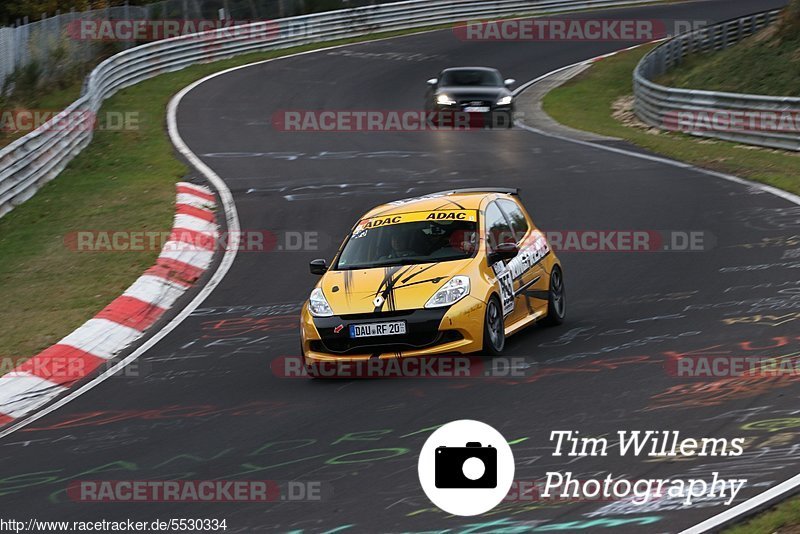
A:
[557, 299]
[494, 335]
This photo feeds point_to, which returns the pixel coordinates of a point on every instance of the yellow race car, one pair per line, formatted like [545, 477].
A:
[453, 272]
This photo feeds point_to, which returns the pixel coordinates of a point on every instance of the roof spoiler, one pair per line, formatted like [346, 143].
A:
[505, 190]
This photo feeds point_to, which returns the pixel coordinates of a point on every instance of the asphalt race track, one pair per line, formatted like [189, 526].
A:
[206, 404]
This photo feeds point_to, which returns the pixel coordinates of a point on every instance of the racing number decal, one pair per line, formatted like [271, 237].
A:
[506, 291]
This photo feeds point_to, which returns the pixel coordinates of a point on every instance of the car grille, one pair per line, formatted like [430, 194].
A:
[378, 345]
[387, 315]
[422, 330]
[474, 102]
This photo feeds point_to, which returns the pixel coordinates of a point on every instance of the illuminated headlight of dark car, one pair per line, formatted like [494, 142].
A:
[505, 100]
[445, 100]
[450, 293]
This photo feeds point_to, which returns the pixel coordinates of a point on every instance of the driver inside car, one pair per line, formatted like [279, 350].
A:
[401, 246]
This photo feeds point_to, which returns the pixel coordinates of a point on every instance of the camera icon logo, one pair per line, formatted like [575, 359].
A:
[472, 466]
[466, 467]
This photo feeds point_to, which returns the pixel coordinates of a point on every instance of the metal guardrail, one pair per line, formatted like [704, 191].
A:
[32, 161]
[742, 118]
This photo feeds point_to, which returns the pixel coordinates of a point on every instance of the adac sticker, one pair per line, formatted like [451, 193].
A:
[416, 216]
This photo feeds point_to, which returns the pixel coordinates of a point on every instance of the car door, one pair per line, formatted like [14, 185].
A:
[498, 230]
[530, 279]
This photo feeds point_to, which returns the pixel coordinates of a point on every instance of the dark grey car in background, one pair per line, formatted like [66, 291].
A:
[480, 93]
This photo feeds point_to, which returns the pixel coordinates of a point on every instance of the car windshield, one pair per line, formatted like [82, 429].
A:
[471, 78]
[409, 243]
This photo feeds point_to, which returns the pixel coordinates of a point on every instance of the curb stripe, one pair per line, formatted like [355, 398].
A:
[182, 261]
[199, 259]
[193, 223]
[196, 190]
[101, 337]
[201, 240]
[61, 364]
[22, 392]
[186, 209]
[194, 200]
[175, 272]
[154, 290]
[131, 312]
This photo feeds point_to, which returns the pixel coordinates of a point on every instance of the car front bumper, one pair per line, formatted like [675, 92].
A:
[454, 330]
[455, 116]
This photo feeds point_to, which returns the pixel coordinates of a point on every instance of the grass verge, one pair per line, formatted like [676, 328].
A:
[781, 519]
[592, 100]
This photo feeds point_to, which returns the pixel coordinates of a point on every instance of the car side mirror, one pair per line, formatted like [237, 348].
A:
[509, 82]
[319, 267]
[432, 81]
[503, 251]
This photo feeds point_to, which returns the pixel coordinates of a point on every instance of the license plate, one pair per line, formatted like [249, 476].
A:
[476, 109]
[377, 329]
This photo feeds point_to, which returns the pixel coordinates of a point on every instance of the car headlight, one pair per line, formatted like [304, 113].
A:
[317, 304]
[450, 293]
[445, 100]
[505, 101]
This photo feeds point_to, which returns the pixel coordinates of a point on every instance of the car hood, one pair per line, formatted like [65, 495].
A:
[473, 92]
[402, 287]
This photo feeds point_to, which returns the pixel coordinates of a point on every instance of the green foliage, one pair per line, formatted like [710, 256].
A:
[587, 103]
[784, 518]
[25, 81]
[767, 63]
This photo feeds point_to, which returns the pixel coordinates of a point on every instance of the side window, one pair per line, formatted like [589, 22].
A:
[518, 221]
[497, 228]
